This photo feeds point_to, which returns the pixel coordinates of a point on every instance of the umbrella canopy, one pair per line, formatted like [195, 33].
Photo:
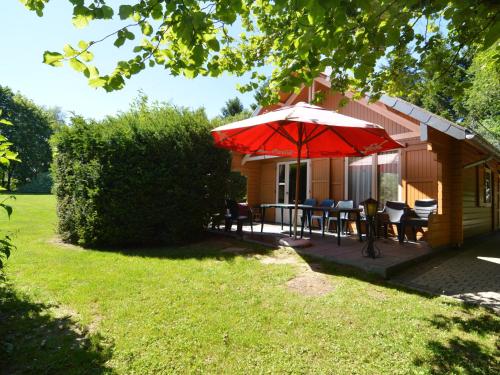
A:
[320, 133]
[303, 131]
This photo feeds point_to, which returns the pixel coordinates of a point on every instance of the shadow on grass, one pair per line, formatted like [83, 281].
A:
[210, 246]
[34, 341]
[459, 355]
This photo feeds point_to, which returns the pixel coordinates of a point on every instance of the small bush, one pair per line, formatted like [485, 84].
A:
[148, 176]
[41, 184]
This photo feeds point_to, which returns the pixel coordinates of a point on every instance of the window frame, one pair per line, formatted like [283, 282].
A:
[374, 181]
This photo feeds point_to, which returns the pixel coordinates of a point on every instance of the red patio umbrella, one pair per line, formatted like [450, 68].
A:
[303, 131]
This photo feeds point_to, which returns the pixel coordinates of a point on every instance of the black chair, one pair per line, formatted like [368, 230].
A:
[344, 216]
[394, 212]
[327, 203]
[237, 212]
[308, 202]
[418, 217]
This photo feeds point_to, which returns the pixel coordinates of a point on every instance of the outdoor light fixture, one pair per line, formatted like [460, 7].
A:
[370, 208]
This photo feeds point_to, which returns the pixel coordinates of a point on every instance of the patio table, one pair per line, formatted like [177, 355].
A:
[282, 207]
[337, 212]
[307, 210]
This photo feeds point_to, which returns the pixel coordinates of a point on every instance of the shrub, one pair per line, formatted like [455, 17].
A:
[41, 184]
[148, 176]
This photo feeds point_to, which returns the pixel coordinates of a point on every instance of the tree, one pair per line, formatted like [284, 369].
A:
[7, 156]
[232, 107]
[482, 98]
[30, 137]
[428, 86]
[469, 92]
[299, 38]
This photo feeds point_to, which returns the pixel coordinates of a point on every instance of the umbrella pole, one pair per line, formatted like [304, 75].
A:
[297, 183]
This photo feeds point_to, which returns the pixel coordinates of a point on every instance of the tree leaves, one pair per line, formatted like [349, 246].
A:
[53, 58]
[300, 38]
[125, 11]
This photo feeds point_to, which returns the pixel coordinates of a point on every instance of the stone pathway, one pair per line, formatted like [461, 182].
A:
[471, 274]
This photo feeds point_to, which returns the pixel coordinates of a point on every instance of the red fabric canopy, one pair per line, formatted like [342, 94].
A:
[320, 132]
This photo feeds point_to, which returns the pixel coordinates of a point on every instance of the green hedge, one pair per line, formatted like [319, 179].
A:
[148, 176]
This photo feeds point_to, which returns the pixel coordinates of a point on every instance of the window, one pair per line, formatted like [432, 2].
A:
[484, 191]
[359, 178]
[387, 177]
[375, 176]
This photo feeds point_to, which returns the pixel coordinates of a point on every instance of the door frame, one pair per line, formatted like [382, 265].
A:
[287, 184]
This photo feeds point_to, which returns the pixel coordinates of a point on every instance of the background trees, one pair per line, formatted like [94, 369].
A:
[232, 107]
[30, 137]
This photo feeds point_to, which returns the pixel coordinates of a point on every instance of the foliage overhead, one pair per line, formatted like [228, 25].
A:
[30, 137]
[482, 98]
[299, 38]
[468, 94]
[147, 176]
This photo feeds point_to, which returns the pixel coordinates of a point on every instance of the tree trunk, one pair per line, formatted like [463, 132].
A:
[10, 172]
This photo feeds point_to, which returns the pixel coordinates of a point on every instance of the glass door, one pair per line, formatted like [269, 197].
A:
[285, 186]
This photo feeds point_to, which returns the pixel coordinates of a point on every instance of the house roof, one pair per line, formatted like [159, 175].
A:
[426, 118]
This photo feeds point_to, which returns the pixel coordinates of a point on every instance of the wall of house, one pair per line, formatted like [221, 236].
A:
[419, 169]
[478, 217]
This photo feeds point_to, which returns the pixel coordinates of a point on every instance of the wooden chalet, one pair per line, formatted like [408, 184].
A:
[441, 161]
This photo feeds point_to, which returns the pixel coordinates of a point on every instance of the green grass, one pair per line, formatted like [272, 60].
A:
[194, 309]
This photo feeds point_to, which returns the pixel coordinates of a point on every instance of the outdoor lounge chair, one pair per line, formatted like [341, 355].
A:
[395, 215]
[344, 216]
[239, 213]
[319, 218]
[418, 217]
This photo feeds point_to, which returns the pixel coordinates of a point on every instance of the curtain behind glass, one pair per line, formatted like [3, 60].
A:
[359, 184]
[388, 177]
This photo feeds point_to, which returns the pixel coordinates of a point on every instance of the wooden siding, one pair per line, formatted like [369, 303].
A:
[337, 170]
[446, 227]
[419, 174]
[320, 179]
[476, 220]
[363, 112]
[268, 186]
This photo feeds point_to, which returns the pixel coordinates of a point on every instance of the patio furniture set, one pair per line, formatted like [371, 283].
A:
[397, 214]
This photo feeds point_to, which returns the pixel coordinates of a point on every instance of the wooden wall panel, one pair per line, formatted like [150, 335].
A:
[268, 186]
[363, 112]
[320, 179]
[337, 170]
[476, 219]
[419, 174]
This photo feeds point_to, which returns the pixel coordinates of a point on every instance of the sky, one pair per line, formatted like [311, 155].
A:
[25, 37]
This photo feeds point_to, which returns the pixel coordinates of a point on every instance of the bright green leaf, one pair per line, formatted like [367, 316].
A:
[52, 58]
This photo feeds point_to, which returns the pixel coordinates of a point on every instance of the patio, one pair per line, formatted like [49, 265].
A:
[394, 256]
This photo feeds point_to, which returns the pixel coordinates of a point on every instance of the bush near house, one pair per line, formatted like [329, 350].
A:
[148, 176]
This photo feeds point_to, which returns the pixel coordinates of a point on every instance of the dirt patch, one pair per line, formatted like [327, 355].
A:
[310, 284]
[59, 242]
[309, 280]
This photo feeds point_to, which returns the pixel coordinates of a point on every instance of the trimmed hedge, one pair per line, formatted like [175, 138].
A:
[148, 176]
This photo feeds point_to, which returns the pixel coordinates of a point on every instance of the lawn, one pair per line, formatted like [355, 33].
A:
[197, 309]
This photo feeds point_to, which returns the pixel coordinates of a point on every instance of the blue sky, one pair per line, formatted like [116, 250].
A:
[25, 37]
